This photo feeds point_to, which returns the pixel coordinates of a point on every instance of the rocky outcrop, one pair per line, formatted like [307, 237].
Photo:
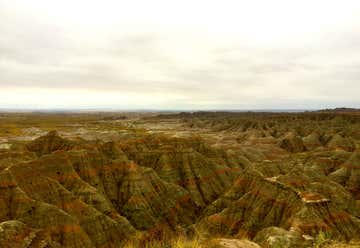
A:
[148, 202]
[273, 237]
[255, 203]
[15, 234]
[276, 178]
[349, 174]
[292, 143]
[203, 171]
[312, 141]
[135, 192]
[49, 143]
[341, 143]
[93, 195]
[234, 243]
[61, 227]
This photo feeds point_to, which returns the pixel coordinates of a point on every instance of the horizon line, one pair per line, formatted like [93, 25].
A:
[168, 110]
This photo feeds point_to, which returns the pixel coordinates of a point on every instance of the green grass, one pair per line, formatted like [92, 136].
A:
[321, 239]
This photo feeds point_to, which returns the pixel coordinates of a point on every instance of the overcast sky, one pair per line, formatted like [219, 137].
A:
[184, 54]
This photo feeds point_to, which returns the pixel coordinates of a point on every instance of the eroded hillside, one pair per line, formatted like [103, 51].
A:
[107, 179]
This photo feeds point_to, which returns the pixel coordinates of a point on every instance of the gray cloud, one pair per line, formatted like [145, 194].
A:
[323, 69]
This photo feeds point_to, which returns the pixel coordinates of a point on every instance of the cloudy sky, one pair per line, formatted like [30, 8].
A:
[179, 54]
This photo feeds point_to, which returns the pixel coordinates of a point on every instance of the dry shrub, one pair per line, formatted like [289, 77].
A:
[162, 238]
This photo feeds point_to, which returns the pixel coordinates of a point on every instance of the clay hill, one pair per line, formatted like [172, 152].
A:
[274, 179]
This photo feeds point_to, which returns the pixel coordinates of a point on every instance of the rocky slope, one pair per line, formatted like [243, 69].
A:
[277, 179]
[82, 194]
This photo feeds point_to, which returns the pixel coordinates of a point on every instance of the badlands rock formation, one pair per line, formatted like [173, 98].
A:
[276, 179]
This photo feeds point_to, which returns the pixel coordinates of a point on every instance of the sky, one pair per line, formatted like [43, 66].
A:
[172, 55]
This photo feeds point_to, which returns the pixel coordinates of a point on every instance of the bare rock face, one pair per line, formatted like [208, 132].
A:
[273, 237]
[15, 234]
[135, 192]
[235, 243]
[255, 202]
[281, 182]
[11, 157]
[312, 141]
[204, 172]
[147, 201]
[292, 143]
[52, 180]
[98, 197]
[349, 174]
[48, 195]
[49, 143]
[341, 143]
[15, 204]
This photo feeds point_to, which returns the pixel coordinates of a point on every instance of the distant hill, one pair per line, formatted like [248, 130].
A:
[340, 110]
